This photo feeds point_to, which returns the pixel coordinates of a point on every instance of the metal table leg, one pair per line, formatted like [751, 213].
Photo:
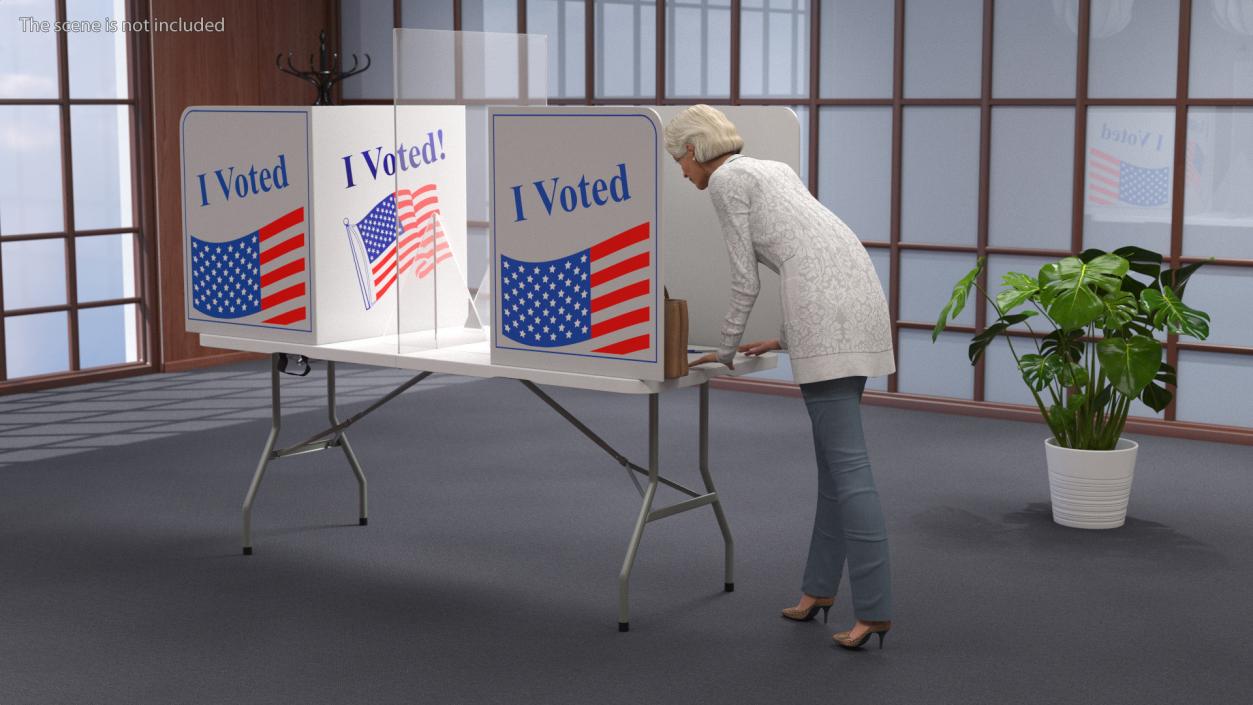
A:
[363, 517]
[335, 436]
[648, 492]
[646, 508]
[276, 420]
[729, 584]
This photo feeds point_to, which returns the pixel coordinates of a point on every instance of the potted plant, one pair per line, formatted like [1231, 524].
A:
[1104, 312]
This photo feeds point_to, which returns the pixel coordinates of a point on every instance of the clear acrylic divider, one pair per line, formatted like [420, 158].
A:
[444, 84]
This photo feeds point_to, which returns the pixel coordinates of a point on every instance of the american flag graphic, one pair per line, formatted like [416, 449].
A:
[598, 294]
[381, 257]
[261, 272]
[1112, 180]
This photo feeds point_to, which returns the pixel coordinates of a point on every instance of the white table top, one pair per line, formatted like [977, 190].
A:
[473, 359]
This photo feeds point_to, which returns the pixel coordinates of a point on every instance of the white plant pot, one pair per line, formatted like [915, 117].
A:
[1090, 488]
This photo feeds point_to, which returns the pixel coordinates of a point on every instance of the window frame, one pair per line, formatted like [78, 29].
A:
[897, 102]
[139, 108]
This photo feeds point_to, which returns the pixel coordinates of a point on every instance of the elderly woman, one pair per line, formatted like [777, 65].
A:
[837, 332]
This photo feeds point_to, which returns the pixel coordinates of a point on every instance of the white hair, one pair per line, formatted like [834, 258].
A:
[709, 132]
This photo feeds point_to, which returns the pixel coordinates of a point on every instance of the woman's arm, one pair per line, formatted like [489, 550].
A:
[731, 204]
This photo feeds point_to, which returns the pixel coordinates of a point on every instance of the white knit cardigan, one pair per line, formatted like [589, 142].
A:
[835, 317]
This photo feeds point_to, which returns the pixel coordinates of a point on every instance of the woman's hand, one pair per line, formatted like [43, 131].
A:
[759, 347]
[708, 357]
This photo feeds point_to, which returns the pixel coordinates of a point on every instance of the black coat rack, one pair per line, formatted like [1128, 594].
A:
[327, 73]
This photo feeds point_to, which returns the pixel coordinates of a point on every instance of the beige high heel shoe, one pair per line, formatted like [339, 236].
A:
[799, 615]
[845, 639]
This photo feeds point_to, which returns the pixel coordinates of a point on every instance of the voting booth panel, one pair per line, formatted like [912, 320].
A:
[304, 225]
[576, 240]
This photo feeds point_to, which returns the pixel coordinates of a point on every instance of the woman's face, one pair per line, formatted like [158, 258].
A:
[692, 169]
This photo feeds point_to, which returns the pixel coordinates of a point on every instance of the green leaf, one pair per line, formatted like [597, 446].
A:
[1020, 289]
[1105, 272]
[1076, 401]
[1177, 279]
[1063, 344]
[957, 301]
[1166, 374]
[1130, 363]
[1048, 275]
[1156, 395]
[1141, 261]
[980, 342]
[1102, 397]
[1072, 374]
[1060, 417]
[1038, 371]
[1075, 307]
[1120, 308]
[1077, 285]
[1171, 314]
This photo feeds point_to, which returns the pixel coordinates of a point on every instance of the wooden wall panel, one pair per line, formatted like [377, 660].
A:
[234, 67]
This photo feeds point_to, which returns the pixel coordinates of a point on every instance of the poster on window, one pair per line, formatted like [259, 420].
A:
[1129, 164]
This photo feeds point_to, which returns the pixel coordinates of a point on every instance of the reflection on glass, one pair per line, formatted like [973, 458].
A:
[36, 345]
[101, 140]
[943, 48]
[774, 49]
[105, 266]
[940, 175]
[1030, 191]
[1221, 61]
[1033, 51]
[626, 48]
[30, 179]
[856, 49]
[34, 273]
[563, 23]
[855, 169]
[938, 369]
[97, 60]
[1133, 48]
[698, 61]
[1218, 212]
[1127, 190]
[108, 336]
[28, 59]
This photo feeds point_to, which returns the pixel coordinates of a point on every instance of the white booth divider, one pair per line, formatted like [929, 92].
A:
[299, 222]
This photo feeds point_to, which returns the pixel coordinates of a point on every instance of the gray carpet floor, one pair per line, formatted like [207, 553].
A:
[488, 571]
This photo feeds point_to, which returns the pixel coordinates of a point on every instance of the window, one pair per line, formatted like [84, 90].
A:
[71, 267]
[945, 130]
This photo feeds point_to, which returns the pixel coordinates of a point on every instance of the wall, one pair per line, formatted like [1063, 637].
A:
[235, 67]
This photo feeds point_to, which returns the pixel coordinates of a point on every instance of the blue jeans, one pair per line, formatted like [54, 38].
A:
[849, 521]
